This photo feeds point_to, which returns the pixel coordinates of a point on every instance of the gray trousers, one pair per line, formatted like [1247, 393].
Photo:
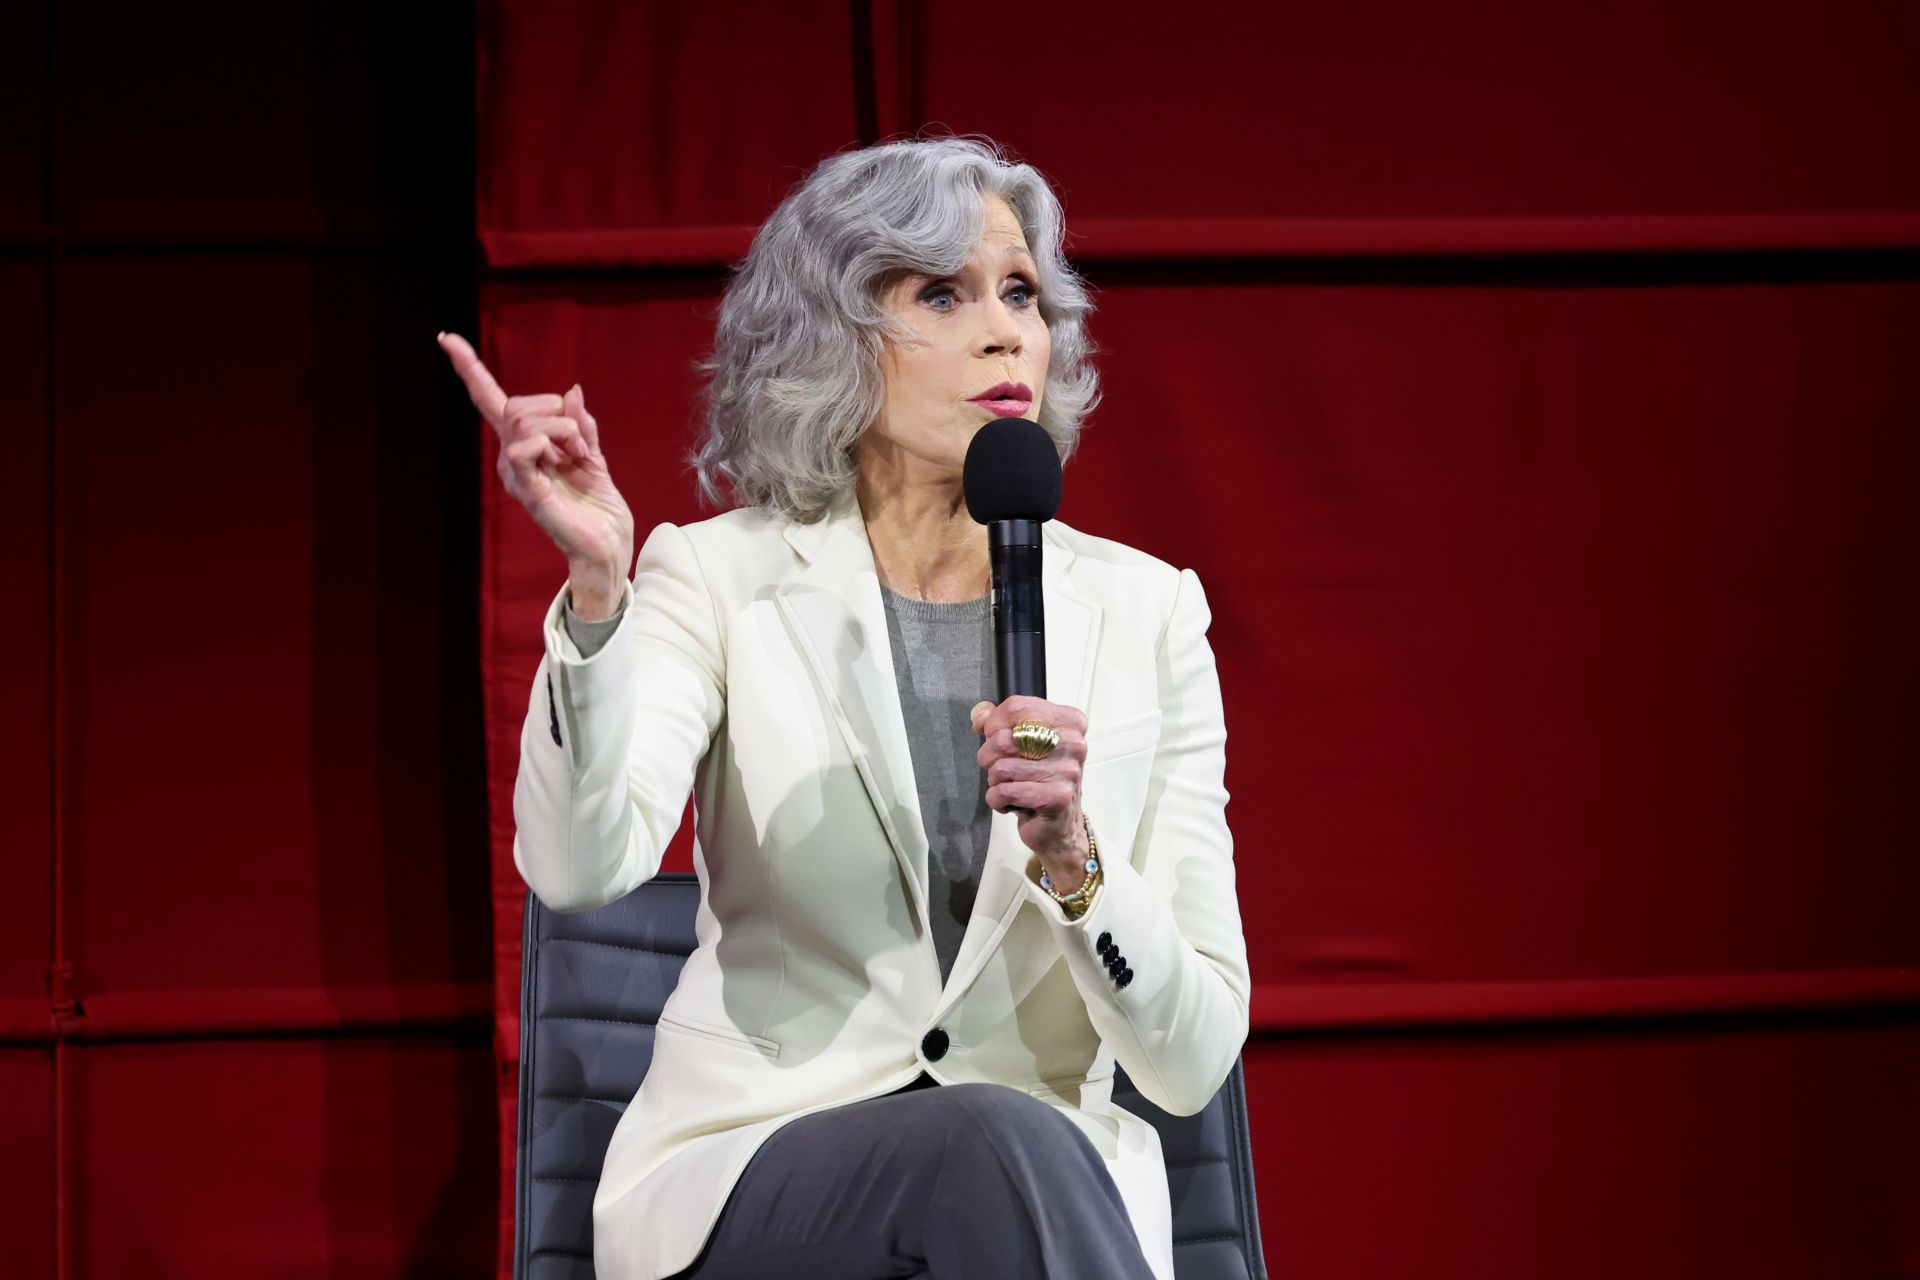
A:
[954, 1182]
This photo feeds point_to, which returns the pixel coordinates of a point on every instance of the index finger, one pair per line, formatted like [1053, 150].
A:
[485, 393]
[1023, 706]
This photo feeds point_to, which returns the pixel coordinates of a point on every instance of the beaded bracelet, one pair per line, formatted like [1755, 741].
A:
[1075, 904]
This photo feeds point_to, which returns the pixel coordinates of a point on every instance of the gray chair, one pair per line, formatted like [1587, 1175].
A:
[593, 982]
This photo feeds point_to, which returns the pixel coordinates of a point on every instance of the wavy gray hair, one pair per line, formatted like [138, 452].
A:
[795, 377]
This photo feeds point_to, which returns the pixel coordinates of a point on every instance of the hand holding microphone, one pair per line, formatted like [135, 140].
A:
[1012, 483]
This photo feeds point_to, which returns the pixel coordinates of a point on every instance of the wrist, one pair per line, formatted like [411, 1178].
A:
[1075, 898]
[1066, 875]
[593, 590]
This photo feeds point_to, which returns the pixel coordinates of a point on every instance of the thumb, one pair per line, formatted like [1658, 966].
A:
[979, 714]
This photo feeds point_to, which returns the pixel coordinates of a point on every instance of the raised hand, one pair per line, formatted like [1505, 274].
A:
[550, 461]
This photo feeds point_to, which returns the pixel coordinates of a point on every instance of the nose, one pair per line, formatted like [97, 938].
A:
[999, 332]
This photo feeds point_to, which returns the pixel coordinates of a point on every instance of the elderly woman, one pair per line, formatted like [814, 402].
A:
[921, 952]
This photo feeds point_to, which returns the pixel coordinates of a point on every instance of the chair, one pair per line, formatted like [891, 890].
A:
[592, 983]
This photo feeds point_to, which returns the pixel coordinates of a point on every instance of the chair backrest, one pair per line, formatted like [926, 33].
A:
[592, 986]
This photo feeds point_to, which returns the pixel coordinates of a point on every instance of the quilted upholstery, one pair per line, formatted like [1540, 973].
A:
[592, 984]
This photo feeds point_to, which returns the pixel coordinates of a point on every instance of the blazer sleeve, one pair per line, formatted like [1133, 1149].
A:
[611, 741]
[1167, 910]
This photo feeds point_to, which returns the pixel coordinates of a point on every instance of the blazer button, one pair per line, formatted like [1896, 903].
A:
[934, 1045]
[1126, 976]
[1105, 944]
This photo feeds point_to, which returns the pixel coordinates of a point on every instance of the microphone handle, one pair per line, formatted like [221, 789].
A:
[1019, 613]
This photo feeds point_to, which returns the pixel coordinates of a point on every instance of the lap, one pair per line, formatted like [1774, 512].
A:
[844, 1192]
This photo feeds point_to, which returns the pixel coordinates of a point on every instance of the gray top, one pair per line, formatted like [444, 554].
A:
[942, 664]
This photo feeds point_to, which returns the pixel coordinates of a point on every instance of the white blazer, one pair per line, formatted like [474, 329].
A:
[753, 668]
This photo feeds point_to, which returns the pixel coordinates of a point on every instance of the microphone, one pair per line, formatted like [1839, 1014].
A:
[1012, 485]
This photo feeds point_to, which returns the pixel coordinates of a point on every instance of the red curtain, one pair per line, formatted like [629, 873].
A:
[1532, 389]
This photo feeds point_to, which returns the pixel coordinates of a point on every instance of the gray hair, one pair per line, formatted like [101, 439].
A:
[795, 377]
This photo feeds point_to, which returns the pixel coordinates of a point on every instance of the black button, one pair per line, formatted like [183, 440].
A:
[1115, 963]
[1105, 944]
[1126, 976]
[934, 1045]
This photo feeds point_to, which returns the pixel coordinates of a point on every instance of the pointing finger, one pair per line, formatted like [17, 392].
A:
[485, 393]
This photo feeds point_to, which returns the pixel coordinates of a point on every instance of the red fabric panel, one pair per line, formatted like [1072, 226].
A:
[263, 725]
[27, 1160]
[253, 797]
[1400, 108]
[26, 657]
[312, 1158]
[597, 113]
[315, 865]
[1763, 1153]
[637, 115]
[26, 1172]
[1561, 629]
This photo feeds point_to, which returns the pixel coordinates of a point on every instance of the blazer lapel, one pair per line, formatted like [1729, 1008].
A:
[834, 609]
[1073, 638]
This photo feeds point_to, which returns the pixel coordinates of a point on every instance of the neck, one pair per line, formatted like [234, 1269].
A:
[925, 544]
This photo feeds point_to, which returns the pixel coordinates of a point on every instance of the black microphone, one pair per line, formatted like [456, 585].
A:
[1012, 486]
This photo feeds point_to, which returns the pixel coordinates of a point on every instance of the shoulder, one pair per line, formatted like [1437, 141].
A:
[1117, 574]
[743, 542]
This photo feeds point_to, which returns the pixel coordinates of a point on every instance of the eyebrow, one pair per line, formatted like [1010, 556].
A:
[1012, 251]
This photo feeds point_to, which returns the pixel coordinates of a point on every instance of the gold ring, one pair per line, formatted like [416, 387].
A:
[1034, 739]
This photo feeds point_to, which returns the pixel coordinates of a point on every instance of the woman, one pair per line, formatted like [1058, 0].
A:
[894, 896]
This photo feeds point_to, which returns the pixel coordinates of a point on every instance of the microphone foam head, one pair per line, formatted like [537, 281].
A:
[1012, 472]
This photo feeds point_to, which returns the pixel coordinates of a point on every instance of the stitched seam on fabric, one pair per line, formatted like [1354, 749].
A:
[579, 1097]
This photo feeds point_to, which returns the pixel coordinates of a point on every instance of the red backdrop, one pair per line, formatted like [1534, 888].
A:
[1532, 390]
[1530, 386]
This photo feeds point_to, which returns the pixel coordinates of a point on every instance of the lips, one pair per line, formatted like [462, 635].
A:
[1007, 391]
[1007, 395]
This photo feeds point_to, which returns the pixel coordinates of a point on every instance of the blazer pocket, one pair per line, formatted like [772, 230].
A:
[1111, 742]
[725, 1035]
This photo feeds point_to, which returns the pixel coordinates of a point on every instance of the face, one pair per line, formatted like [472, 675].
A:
[975, 331]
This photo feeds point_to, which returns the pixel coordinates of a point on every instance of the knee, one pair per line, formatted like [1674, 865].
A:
[1006, 1117]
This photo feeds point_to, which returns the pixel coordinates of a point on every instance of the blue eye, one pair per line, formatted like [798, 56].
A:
[934, 291]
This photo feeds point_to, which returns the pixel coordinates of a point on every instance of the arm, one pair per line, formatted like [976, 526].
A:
[1168, 904]
[611, 738]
